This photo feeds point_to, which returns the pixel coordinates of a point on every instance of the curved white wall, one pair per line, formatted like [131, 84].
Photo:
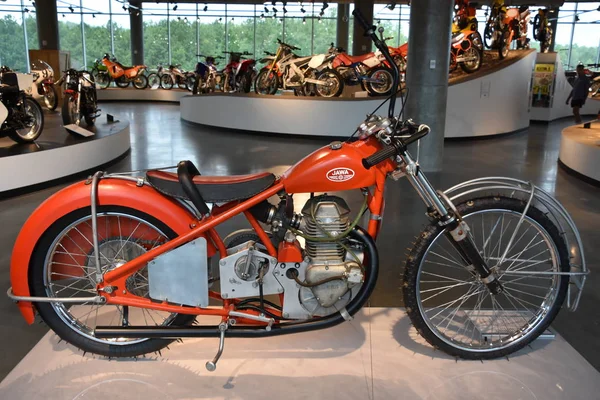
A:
[488, 105]
[131, 94]
[492, 104]
[47, 165]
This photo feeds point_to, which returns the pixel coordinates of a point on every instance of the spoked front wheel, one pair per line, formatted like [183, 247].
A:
[455, 311]
[63, 266]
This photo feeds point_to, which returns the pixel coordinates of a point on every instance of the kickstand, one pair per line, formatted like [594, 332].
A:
[212, 365]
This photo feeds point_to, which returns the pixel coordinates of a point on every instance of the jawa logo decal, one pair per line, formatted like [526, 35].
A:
[340, 174]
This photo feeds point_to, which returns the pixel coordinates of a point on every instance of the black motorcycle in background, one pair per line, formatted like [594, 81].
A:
[21, 117]
[79, 98]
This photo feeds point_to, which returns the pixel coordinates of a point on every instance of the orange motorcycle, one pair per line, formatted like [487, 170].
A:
[510, 24]
[120, 266]
[121, 75]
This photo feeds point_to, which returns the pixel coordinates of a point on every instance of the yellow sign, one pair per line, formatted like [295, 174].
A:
[544, 68]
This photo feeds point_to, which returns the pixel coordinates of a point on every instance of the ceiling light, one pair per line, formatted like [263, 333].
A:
[205, 7]
[325, 5]
[72, 9]
[284, 10]
[302, 10]
[319, 19]
[274, 10]
[304, 20]
[175, 7]
[266, 10]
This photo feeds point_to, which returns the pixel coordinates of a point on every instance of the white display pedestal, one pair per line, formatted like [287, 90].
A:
[559, 94]
[580, 150]
[376, 356]
[484, 105]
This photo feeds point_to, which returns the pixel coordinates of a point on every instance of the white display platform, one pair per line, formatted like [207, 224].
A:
[132, 94]
[562, 88]
[22, 170]
[376, 356]
[580, 150]
[489, 104]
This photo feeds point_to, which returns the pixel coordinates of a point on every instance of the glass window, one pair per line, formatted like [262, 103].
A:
[120, 31]
[69, 31]
[156, 35]
[212, 29]
[325, 27]
[390, 21]
[96, 28]
[183, 35]
[268, 30]
[240, 28]
[13, 52]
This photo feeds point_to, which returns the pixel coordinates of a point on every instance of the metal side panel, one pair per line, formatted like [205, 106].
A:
[181, 276]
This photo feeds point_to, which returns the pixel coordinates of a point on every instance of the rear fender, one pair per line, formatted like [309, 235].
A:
[116, 192]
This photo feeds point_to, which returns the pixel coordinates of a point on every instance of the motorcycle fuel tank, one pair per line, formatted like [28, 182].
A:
[334, 168]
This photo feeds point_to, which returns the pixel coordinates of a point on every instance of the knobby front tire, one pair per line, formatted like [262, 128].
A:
[455, 312]
[62, 266]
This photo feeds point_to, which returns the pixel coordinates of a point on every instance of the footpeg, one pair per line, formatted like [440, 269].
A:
[212, 365]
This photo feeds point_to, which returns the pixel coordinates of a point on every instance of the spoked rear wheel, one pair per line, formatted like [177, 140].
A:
[63, 266]
[454, 311]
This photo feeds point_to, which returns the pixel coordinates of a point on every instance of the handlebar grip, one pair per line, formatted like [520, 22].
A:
[382, 155]
[361, 19]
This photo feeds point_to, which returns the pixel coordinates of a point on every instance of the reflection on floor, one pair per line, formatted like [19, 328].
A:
[159, 138]
[376, 356]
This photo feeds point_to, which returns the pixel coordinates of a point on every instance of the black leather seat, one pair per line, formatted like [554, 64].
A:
[214, 189]
[10, 83]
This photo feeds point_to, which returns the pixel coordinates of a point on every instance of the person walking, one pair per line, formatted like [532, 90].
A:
[579, 93]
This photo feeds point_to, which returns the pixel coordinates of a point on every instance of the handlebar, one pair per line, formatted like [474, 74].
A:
[370, 31]
[397, 145]
[288, 45]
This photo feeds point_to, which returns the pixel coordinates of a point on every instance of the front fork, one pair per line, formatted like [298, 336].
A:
[456, 229]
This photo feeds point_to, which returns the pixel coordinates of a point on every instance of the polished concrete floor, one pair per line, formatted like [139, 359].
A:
[159, 139]
[378, 355]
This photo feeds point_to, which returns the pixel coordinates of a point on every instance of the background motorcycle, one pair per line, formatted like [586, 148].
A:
[369, 70]
[239, 73]
[174, 75]
[305, 75]
[44, 83]
[542, 31]
[21, 117]
[122, 75]
[510, 26]
[79, 98]
[466, 50]
[208, 78]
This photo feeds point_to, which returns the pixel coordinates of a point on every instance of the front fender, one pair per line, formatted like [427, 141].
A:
[116, 192]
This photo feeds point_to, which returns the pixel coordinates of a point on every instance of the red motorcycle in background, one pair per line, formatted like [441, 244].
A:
[240, 72]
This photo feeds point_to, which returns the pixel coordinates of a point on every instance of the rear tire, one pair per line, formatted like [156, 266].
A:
[122, 82]
[102, 79]
[166, 82]
[29, 135]
[60, 318]
[140, 82]
[492, 341]
[384, 75]
[334, 83]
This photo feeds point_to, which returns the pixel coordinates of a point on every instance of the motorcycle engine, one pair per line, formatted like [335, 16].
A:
[332, 274]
